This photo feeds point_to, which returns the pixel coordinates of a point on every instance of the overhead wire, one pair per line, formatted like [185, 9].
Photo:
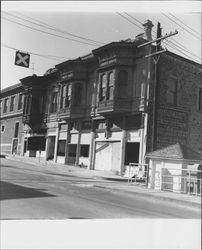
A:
[185, 25]
[47, 26]
[179, 47]
[51, 57]
[45, 32]
[128, 20]
[181, 26]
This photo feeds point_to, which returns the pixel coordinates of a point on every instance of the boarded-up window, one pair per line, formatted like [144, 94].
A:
[171, 91]
[122, 83]
[78, 94]
[84, 150]
[61, 147]
[200, 100]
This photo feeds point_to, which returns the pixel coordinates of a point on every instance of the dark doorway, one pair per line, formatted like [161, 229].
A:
[72, 153]
[132, 152]
[15, 146]
[51, 147]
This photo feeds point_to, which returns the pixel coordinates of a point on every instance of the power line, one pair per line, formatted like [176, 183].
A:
[191, 58]
[47, 26]
[45, 32]
[181, 26]
[129, 20]
[184, 48]
[133, 18]
[51, 57]
[185, 24]
[180, 46]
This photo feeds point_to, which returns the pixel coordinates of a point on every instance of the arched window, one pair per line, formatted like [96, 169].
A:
[122, 83]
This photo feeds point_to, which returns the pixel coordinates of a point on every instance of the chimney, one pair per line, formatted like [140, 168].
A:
[148, 30]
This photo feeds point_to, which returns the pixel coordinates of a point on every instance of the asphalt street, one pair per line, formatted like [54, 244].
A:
[30, 192]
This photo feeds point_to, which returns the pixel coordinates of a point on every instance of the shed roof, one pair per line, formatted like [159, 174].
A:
[176, 151]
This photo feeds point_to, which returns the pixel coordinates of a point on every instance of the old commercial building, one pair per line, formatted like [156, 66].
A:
[11, 119]
[109, 108]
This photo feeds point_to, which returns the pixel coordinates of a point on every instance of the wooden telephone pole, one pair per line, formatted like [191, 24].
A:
[156, 56]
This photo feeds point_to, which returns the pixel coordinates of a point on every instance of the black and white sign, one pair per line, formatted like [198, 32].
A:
[22, 59]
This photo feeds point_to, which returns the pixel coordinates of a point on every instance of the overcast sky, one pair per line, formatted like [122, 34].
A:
[24, 28]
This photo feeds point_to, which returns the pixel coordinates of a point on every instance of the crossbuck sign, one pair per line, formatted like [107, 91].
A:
[22, 59]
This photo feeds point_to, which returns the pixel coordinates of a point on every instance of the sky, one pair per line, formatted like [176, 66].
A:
[30, 26]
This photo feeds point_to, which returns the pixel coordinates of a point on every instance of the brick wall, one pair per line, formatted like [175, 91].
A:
[181, 122]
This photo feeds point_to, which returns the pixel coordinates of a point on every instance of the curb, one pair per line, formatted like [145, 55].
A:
[75, 173]
[169, 199]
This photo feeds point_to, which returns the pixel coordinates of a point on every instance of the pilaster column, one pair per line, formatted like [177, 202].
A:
[56, 143]
[67, 144]
[78, 146]
[92, 151]
[47, 148]
[122, 151]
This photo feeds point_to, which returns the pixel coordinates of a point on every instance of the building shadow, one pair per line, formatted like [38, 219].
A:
[9, 191]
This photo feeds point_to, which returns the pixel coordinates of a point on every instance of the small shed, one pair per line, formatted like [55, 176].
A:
[175, 168]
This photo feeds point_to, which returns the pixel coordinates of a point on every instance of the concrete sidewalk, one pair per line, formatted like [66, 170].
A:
[112, 181]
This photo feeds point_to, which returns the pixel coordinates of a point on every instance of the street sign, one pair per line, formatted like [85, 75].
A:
[22, 59]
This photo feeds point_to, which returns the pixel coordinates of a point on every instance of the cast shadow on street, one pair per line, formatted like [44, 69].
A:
[10, 191]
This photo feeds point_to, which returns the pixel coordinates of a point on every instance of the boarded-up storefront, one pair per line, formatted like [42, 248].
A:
[107, 156]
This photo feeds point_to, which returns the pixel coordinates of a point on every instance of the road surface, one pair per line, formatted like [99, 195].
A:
[30, 192]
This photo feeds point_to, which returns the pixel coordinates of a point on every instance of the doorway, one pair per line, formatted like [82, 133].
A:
[51, 147]
[132, 152]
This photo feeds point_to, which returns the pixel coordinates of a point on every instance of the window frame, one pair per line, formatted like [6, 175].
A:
[53, 102]
[20, 101]
[173, 92]
[105, 86]
[12, 103]
[65, 96]
[5, 107]
[17, 128]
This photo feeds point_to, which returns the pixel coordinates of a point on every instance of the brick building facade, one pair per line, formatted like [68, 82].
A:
[11, 119]
[98, 110]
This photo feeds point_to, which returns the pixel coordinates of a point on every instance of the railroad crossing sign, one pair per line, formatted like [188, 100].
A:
[22, 59]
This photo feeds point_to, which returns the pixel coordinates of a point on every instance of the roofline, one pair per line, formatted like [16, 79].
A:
[10, 88]
[174, 159]
[182, 58]
[81, 59]
[120, 43]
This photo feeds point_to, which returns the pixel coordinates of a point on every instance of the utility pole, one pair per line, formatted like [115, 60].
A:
[156, 88]
[156, 57]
